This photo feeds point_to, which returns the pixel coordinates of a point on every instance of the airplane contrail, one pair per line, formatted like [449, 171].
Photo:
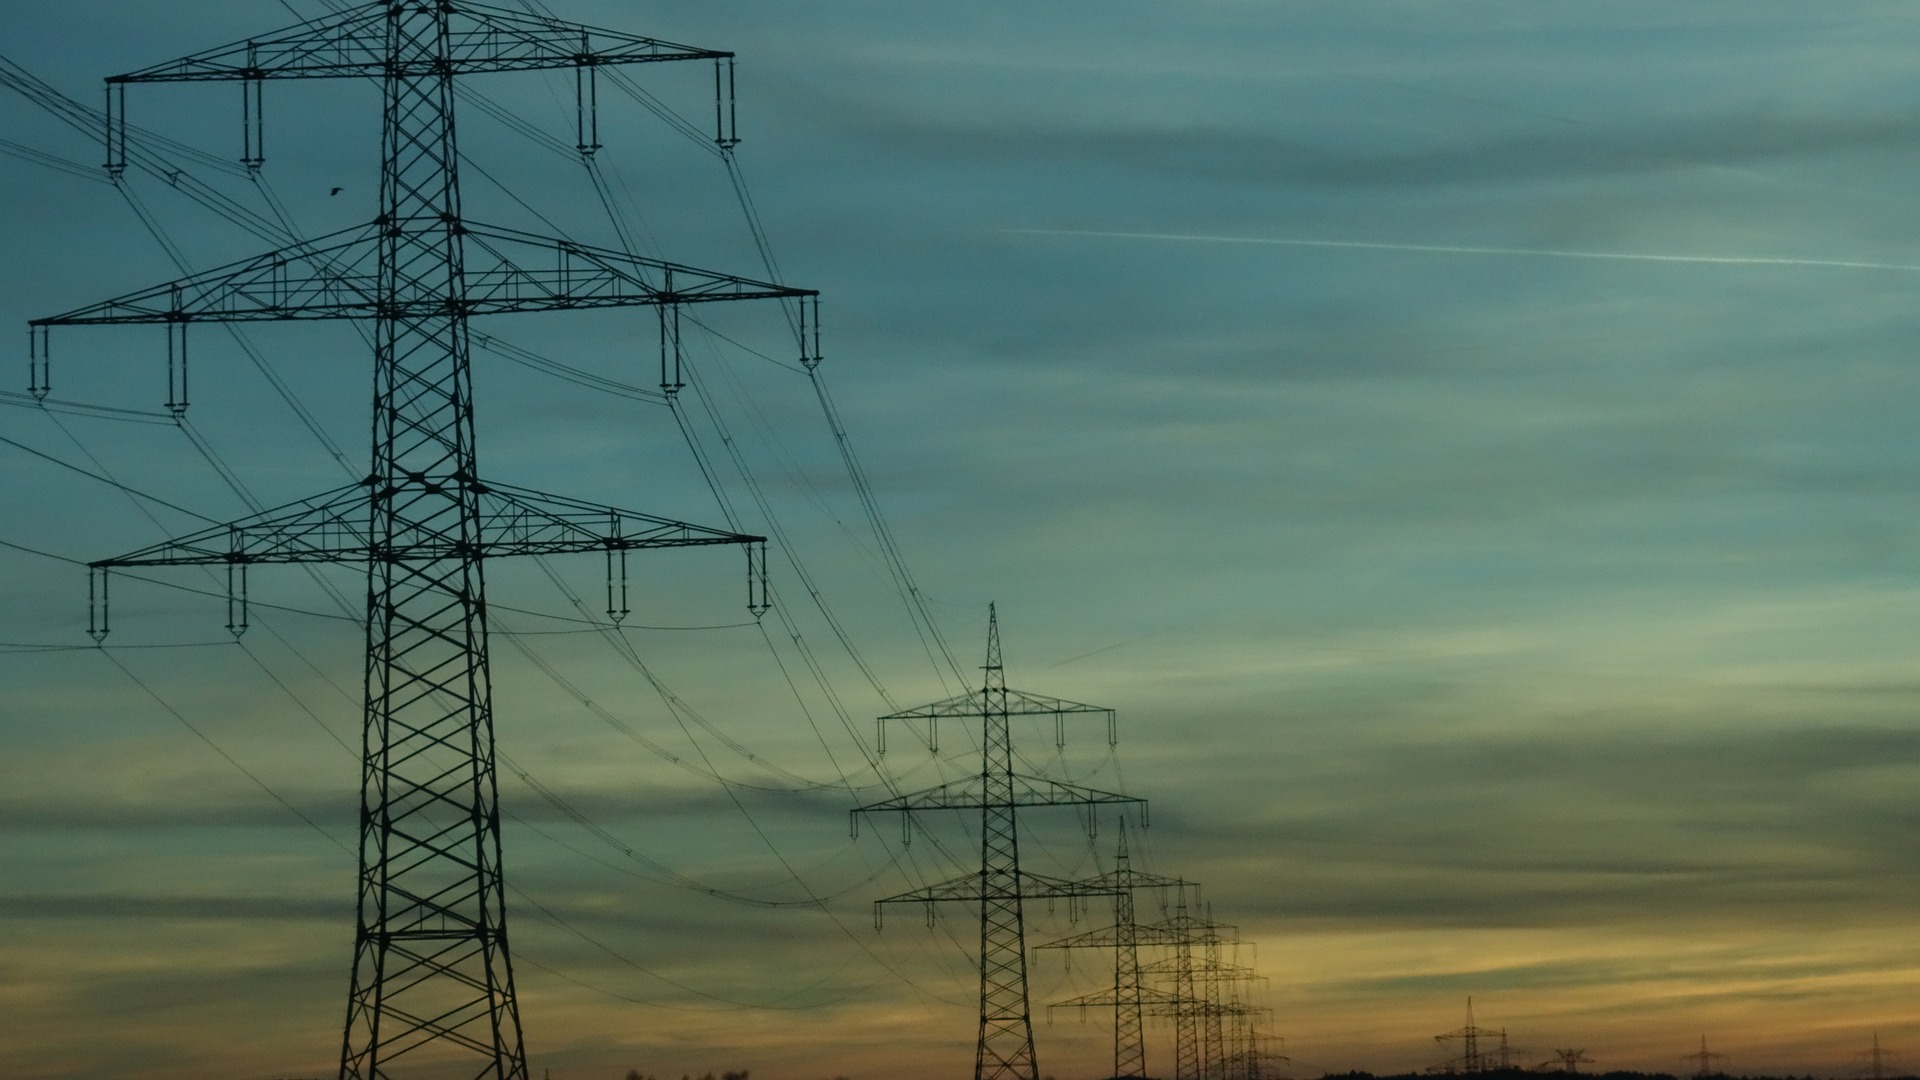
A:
[1450, 249]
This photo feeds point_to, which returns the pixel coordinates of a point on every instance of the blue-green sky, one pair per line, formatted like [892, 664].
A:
[1487, 614]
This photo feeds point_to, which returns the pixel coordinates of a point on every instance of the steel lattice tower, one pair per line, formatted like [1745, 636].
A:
[1472, 1059]
[1877, 1058]
[1183, 931]
[432, 974]
[1005, 1048]
[1217, 983]
[1703, 1059]
[1193, 1002]
[1129, 995]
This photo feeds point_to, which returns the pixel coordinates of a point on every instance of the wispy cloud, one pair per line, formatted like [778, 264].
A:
[1459, 249]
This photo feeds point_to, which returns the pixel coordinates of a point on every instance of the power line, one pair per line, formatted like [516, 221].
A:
[109, 481]
[219, 466]
[426, 645]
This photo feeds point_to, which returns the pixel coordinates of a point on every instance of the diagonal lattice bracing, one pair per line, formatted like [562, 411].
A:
[338, 277]
[432, 983]
[1129, 996]
[1004, 1050]
[355, 43]
[338, 526]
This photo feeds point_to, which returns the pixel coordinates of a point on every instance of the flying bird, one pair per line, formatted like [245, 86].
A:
[336, 191]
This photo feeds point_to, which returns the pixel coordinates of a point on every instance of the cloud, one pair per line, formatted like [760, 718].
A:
[1238, 155]
[335, 910]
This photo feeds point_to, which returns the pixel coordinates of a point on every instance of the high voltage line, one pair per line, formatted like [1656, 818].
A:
[280, 228]
[226, 473]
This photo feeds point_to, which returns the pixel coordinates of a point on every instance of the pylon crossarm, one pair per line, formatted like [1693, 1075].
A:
[353, 44]
[329, 527]
[1110, 936]
[1196, 930]
[507, 272]
[1129, 878]
[1108, 997]
[1203, 969]
[1198, 1007]
[1041, 887]
[974, 888]
[328, 277]
[530, 272]
[333, 527]
[1027, 791]
[1018, 703]
[521, 521]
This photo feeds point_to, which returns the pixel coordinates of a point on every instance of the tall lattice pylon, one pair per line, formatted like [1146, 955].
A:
[1195, 1000]
[1220, 982]
[1703, 1059]
[432, 977]
[1005, 1048]
[1472, 1059]
[1129, 994]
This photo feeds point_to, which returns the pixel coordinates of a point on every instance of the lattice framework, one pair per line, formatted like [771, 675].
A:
[432, 975]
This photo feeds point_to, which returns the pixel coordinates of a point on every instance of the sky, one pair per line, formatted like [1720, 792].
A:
[1469, 444]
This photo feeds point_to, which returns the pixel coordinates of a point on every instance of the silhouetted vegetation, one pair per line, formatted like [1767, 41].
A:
[1535, 1074]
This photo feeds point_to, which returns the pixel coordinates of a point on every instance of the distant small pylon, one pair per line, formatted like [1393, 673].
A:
[1471, 1059]
[1565, 1061]
[1704, 1058]
[1877, 1059]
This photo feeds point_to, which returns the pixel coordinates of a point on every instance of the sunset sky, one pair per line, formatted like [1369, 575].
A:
[1471, 444]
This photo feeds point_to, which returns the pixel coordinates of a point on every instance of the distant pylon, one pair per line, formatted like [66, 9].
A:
[1005, 1047]
[1220, 982]
[1201, 1013]
[1189, 1051]
[1128, 996]
[1877, 1059]
[1471, 1059]
[1245, 1064]
[1567, 1060]
[1703, 1059]
[1193, 1001]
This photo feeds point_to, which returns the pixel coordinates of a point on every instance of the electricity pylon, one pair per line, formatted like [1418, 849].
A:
[1189, 1001]
[1128, 995]
[1210, 996]
[1877, 1059]
[1005, 1047]
[1244, 1064]
[1472, 1059]
[1568, 1060]
[1703, 1059]
[432, 974]
[1220, 983]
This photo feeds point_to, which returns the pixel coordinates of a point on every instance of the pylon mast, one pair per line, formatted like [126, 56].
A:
[1472, 1059]
[1568, 1059]
[1187, 1001]
[1703, 1059]
[1005, 1047]
[1198, 1002]
[432, 975]
[1129, 995]
[1877, 1058]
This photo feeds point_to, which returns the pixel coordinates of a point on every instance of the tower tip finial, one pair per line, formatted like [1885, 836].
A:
[996, 675]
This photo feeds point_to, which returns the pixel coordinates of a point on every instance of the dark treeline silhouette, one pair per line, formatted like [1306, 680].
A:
[1535, 1074]
[743, 1074]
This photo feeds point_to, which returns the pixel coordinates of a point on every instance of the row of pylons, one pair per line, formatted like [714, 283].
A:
[1487, 1050]
[1191, 972]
